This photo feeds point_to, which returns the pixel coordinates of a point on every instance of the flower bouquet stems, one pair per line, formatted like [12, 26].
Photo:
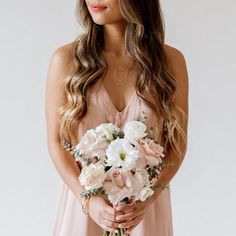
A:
[120, 232]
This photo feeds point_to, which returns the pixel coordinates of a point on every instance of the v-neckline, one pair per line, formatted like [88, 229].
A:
[108, 98]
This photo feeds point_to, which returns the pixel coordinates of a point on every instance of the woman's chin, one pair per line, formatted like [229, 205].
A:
[100, 21]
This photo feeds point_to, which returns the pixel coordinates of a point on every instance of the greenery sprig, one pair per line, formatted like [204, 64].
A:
[93, 192]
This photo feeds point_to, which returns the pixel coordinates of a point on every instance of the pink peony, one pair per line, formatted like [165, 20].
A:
[150, 150]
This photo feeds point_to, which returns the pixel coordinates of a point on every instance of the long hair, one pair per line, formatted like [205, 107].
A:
[144, 43]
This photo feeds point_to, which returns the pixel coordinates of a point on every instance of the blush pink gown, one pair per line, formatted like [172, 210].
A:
[70, 219]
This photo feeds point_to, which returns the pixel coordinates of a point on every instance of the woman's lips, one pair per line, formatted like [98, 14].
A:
[97, 7]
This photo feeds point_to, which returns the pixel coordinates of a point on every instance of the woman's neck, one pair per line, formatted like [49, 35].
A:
[114, 38]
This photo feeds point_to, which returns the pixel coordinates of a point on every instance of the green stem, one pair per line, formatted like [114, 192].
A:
[106, 233]
[119, 233]
[123, 231]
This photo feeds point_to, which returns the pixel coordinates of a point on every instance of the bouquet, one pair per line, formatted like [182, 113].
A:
[119, 164]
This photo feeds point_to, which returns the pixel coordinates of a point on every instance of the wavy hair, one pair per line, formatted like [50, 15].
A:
[144, 43]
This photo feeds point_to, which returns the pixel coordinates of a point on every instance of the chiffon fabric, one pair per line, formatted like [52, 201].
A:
[70, 219]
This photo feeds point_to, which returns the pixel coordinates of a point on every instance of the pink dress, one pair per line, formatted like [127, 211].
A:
[70, 219]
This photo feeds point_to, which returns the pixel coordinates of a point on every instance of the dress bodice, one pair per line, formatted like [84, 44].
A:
[100, 109]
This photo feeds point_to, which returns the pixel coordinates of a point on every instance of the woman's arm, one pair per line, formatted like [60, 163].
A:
[60, 67]
[178, 67]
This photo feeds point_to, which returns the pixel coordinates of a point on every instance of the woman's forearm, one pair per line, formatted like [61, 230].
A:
[67, 167]
[168, 173]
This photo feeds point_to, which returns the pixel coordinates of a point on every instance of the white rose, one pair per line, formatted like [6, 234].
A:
[145, 193]
[92, 144]
[142, 176]
[107, 129]
[134, 130]
[121, 153]
[92, 176]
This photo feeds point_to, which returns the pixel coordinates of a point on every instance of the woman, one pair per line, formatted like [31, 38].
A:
[117, 70]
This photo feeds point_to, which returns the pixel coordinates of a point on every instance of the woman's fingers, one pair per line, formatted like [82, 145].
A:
[131, 223]
[112, 213]
[125, 208]
[107, 216]
[110, 224]
[110, 210]
[128, 216]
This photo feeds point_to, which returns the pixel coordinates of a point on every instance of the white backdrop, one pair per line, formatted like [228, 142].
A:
[203, 191]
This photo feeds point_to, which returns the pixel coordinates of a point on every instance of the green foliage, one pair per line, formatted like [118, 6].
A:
[93, 192]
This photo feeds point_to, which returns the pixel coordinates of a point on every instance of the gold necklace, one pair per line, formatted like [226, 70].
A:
[120, 74]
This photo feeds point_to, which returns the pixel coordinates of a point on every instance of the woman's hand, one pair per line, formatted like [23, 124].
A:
[102, 213]
[130, 218]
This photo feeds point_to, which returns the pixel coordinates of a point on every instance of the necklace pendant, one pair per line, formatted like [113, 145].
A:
[119, 76]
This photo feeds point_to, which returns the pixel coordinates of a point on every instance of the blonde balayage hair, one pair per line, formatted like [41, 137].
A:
[144, 43]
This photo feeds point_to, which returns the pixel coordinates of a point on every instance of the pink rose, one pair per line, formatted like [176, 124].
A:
[150, 150]
[121, 183]
[117, 178]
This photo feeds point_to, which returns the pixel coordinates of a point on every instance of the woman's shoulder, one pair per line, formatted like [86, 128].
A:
[66, 50]
[174, 55]
[64, 56]
[176, 60]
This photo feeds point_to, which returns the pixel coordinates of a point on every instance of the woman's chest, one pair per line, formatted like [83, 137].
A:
[100, 109]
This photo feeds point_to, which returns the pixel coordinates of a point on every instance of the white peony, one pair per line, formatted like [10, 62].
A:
[92, 176]
[145, 193]
[121, 153]
[107, 129]
[134, 130]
